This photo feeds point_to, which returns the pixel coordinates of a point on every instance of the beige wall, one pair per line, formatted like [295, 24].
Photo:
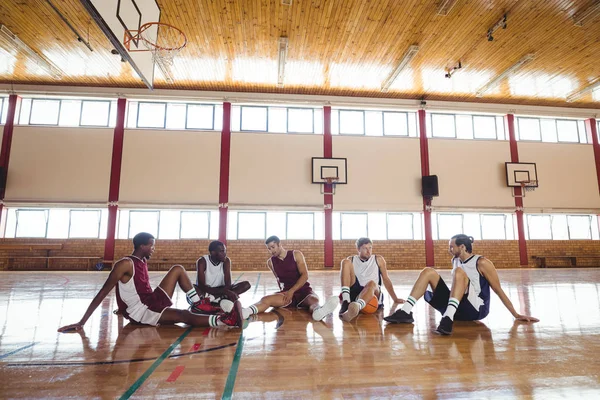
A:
[483, 184]
[273, 169]
[566, 174]
[59, 164]
[384, 173]
[170, 167]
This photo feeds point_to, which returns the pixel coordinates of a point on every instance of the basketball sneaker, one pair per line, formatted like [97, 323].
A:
[445, 326]
[227, 305]
[204, 307]
[321, 312]
[344, 307]
[353, 310]
[400, 317]
[234, 317]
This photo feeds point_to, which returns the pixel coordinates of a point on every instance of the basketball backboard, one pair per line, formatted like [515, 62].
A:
[517, 173]
[115, 17]
[323, 168]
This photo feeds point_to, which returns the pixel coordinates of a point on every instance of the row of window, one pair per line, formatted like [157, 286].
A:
[3, 109]
[193, 224]
[166, 115]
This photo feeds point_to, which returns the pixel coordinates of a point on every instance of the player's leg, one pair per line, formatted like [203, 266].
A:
[460, 283]
[427, 277]
[365, 295]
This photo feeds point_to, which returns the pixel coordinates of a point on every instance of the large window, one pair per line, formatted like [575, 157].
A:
[3, 109]
[194, 225]
[449, 225]
[169, 224]
[55, 223]
[300, 225]
[465, 126]
[353, 226]
[296, 225]
[277, 119]
[32, 223]
[400, 226]
[493, 226]
[84, 223]
[254, 119]
[161, 115]
[351, 122]
[562, 227]
[373, 123]
[143, 221]
[67, 112]
[551, 130]
[252, 225]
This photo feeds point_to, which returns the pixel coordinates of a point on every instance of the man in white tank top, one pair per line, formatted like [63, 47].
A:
[213, 281]
[361, 277]
[469, 298]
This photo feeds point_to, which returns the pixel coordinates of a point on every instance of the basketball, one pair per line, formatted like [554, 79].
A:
[371, 307]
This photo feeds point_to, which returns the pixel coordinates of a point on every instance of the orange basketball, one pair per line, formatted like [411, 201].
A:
[371, 307]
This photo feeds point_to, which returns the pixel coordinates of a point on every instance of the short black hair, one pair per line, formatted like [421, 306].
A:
[141, 239]
[363, 240]
[464, 239]
[272, 239]
[214, 245]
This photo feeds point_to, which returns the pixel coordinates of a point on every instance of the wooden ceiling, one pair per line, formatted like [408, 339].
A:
[336, 47]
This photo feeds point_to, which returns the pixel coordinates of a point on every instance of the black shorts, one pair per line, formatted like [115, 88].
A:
[355, 290]
[439, 298]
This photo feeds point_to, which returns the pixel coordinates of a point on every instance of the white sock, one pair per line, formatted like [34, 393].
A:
[452, 307]
[247, 312]
[214, 322]
[361, 303]
[409, 304]
[192, 296]
[346, 294]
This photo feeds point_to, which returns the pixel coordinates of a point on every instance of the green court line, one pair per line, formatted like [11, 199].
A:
[238, 278]
[228, 391]
[136, 385]
[256, 284]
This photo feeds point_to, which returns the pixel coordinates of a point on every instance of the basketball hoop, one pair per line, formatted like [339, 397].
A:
[332, 182]
[164, 41]
[526, 186]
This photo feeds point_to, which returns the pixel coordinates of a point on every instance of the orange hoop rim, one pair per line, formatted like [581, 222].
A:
[133, 35]
[332, 181]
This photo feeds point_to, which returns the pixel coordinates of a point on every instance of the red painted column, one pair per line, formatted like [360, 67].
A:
[509, 120]
[115, 182]
[224, 172]
[592, 134]
[328, 198]
[429, 254]
[13, 104]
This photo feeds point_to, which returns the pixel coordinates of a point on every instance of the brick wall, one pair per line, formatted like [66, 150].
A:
[252, 254]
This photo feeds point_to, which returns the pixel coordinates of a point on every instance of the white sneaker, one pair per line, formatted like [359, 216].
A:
[353, 310]
[227, 306]
[327, 308]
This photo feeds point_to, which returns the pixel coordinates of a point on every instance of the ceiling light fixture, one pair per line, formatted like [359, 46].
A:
[283, 49]
[10, 39]
[575, 95]
[509, 71]
[406, 59]
[446, 6]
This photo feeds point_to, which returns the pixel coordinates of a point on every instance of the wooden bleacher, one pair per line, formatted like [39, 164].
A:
[567, 261]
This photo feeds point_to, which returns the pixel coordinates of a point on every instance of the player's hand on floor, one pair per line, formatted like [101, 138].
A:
[71, 328]
[526, 318]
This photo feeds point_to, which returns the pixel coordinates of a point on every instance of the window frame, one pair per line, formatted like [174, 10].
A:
[181, 212]
[589, 226]
[250, 212]
[433, 126]
[556, 120]
[94, 101]
[34, 99]
[383, 113]
[387, 224]
[484, 116]
[1, 109]
[354, 213]
[364, 127]
[137, 117]
[539, 121]
[462, 223]
[142, 211]
[242, 118]
[287, 122]
[46, 212]
[187, 105]
[287, 225]
[84, 210]
[481, 215]
[541, 215]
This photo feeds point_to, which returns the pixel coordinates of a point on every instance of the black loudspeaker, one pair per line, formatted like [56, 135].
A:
[429, 186]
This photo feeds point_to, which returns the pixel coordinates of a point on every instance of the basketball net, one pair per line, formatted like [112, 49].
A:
[526, 186]
[332, 181]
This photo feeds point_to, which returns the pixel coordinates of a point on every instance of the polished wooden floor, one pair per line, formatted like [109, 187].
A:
[284, 354]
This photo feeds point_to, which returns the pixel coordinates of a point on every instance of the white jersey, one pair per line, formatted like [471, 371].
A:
[213, 275]
[366, 271]
[479, 285]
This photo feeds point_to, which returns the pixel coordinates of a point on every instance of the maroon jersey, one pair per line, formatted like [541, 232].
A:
[286, 271]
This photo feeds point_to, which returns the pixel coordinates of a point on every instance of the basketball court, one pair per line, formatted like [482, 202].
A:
[324, 123]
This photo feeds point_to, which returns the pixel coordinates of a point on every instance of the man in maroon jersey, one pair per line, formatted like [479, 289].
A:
[289, 267]
[140, 304]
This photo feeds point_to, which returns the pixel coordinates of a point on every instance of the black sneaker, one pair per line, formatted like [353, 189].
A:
[344, 307]
[445, 326]
[400, 317]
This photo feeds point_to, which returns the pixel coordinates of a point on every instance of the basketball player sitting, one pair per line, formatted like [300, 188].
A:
[213, 281]
[289, 267]
[469, 298]
[361, 277]
[140, 304]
